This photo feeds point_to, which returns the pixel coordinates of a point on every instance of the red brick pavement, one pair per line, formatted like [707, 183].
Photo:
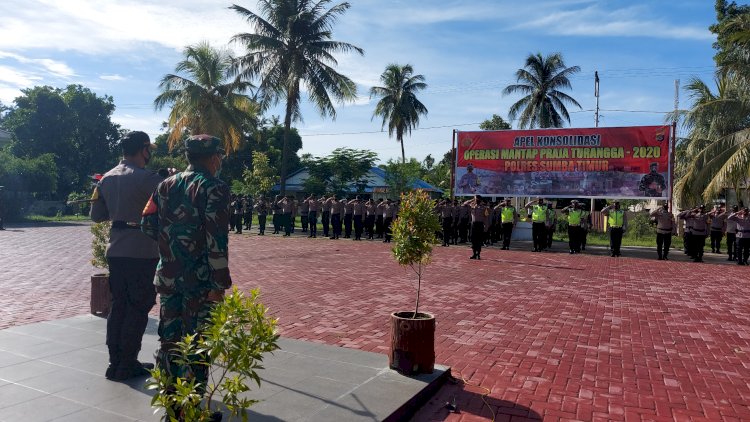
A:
[549, 336]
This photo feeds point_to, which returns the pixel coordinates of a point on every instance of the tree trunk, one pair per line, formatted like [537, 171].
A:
[403, 154]
[285, 144]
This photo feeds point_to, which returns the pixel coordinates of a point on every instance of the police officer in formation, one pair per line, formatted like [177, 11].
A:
[699, 222]
[261, 208]
[742, 218]
[574, 214]
[666, 227]
[538, 212]
[480, 218]
[617, 222]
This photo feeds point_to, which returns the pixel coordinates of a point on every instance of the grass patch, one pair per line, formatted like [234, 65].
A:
[602, 239]
[36, 218]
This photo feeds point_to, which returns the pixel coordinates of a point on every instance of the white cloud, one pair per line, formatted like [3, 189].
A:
[53, 67]
[593, 21]
[114, 77]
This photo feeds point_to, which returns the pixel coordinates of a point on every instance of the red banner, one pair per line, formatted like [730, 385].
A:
[624, 162]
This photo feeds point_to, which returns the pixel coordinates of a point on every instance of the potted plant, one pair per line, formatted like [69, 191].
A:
[101, 297]
[232, 341]
[413, 332]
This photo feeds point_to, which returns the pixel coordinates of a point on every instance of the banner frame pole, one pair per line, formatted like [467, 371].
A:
[454, 151]
[672, 144]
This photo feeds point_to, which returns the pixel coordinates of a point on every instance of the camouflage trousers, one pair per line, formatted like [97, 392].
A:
[181, 314]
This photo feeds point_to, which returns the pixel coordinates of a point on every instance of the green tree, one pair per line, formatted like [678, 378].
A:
[209, 99]
[292, 45]
[718, 143]
[398, 105]
[541, 81]
[729, 16]
[400, 176]
[35, 175]
[259, 180]
[414, 234]
[73, 124]
[340, 172]
[494, 123]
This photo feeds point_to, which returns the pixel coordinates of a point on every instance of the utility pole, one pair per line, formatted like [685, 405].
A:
[592, 208]
[673, 143]
[596, 94]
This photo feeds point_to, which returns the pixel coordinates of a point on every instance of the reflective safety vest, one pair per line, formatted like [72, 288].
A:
[508, 214]
[539, 214]
[574, 217]
[615, 218]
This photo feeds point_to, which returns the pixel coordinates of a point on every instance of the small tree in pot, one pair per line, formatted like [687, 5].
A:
[413, 332]
[100, 294]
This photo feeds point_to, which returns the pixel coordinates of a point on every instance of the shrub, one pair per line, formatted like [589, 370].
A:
[235, 336]
[414, 234]
[99, 244]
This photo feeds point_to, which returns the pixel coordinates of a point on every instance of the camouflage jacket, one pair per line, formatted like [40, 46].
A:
[189, 217]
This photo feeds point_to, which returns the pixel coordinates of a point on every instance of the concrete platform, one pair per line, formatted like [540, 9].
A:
[53, 371]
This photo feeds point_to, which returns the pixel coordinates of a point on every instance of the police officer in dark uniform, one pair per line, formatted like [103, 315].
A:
[120, 197]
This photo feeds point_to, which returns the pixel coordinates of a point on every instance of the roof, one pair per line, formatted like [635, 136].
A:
[5, 137]
[375, 179]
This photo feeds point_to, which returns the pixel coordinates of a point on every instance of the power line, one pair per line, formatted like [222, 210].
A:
[309, 135]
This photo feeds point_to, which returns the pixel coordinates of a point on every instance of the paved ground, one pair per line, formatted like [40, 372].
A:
[549, 336]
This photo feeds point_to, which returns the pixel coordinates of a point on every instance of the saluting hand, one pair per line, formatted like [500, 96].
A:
[215, 295]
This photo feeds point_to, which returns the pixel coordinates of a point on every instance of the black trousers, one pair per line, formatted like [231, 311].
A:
[303, 219]
[663, 243]
[131, 282]
[731, 240]
[276, 223]
[325, 219]
[687, 241]
[379, 226]
[716, 236]
[336, 223]
[574, 238]
[698, 243]
[370, 226]
[347, 225]
[539, 236]
[743, 248]
[358, 226]
[463, 229]
[248, 221]
[287, 223]
[507, 234]
[615, 236]
[262, 223]
[312, 221]
[387, 228]
[238, 222]
[477, 237]
[447, 222]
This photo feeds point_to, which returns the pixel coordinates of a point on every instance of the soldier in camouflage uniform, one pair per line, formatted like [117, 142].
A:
[189, 216]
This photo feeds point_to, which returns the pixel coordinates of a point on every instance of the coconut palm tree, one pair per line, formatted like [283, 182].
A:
[398, 105]
[291, 48]
[718, 144]
[542, 80]
[209, 99]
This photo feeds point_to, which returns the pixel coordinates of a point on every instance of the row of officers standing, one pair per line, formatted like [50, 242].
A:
[338, 216]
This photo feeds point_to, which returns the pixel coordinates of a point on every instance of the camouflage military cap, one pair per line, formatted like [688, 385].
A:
[203, 144]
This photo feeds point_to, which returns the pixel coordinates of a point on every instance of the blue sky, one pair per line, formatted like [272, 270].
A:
[467, 50]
